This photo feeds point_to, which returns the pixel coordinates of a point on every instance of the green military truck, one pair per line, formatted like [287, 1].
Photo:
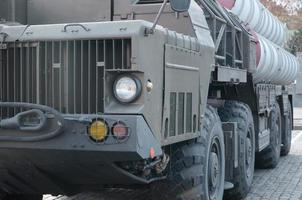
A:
[177, 98]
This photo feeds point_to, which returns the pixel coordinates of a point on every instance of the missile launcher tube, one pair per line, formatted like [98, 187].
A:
[258, 18]
[275, 65]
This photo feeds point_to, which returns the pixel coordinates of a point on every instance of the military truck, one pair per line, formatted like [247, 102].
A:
[176, 98]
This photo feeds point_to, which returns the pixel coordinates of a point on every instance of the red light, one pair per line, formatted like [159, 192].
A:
[152, 153]
[120, 131]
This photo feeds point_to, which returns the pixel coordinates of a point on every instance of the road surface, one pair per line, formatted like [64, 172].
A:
[282, 183]
[285, 181]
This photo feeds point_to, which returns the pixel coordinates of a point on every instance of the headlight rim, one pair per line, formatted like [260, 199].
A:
[138, 84]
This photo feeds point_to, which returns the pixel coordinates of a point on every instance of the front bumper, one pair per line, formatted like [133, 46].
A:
[71, 159]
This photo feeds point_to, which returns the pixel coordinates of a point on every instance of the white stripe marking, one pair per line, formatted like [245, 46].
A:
[297, 137]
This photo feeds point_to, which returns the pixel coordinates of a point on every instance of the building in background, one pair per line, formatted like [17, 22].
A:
[298, 99]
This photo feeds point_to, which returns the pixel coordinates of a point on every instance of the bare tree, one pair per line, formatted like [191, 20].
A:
[295, 43]
[292, 6]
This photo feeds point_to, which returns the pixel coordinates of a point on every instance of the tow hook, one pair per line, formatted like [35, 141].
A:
[160, 164]
[20, 122]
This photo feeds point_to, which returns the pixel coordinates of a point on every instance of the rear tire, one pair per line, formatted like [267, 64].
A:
[287, 124]
[269, 157]
[198, 166]
[243, 175]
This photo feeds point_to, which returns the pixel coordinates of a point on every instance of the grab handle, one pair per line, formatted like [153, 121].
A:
[70, 25]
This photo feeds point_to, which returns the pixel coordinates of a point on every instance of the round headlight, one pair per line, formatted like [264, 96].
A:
[127, 89]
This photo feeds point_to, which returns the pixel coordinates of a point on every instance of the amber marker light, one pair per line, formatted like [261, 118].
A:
[120, 131]
[98, 131]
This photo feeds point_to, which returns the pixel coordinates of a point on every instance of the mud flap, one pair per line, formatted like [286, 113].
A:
[231, 148]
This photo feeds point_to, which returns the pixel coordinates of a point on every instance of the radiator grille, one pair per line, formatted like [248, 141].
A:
[66, 75]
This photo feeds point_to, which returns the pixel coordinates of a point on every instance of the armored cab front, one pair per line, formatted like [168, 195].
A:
[179, 97]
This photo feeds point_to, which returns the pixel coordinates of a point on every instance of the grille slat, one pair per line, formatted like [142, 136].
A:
[89, 76]
[60, 78]
[14, 54]
[66, 75]
[1, 80]
[96, 73]
[7, 79]
[182, 119]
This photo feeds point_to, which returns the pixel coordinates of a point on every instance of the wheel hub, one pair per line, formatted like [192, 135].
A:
[214, 178]
[214, 170]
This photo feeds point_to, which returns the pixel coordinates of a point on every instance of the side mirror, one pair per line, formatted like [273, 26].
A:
[180, 5]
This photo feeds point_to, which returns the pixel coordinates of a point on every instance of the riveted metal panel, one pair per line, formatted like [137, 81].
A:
[181, 104]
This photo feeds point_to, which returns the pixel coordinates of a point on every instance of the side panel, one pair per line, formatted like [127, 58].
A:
[184, 92]
[125, 10]
[181, 94]
[266, 96]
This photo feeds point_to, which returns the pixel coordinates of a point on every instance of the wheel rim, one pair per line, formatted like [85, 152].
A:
[249, 155]
[215, 167]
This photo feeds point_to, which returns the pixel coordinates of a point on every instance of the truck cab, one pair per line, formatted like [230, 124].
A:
[136, 94]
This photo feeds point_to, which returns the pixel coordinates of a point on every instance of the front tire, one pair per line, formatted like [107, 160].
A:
[243, 175]
[198, 166]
